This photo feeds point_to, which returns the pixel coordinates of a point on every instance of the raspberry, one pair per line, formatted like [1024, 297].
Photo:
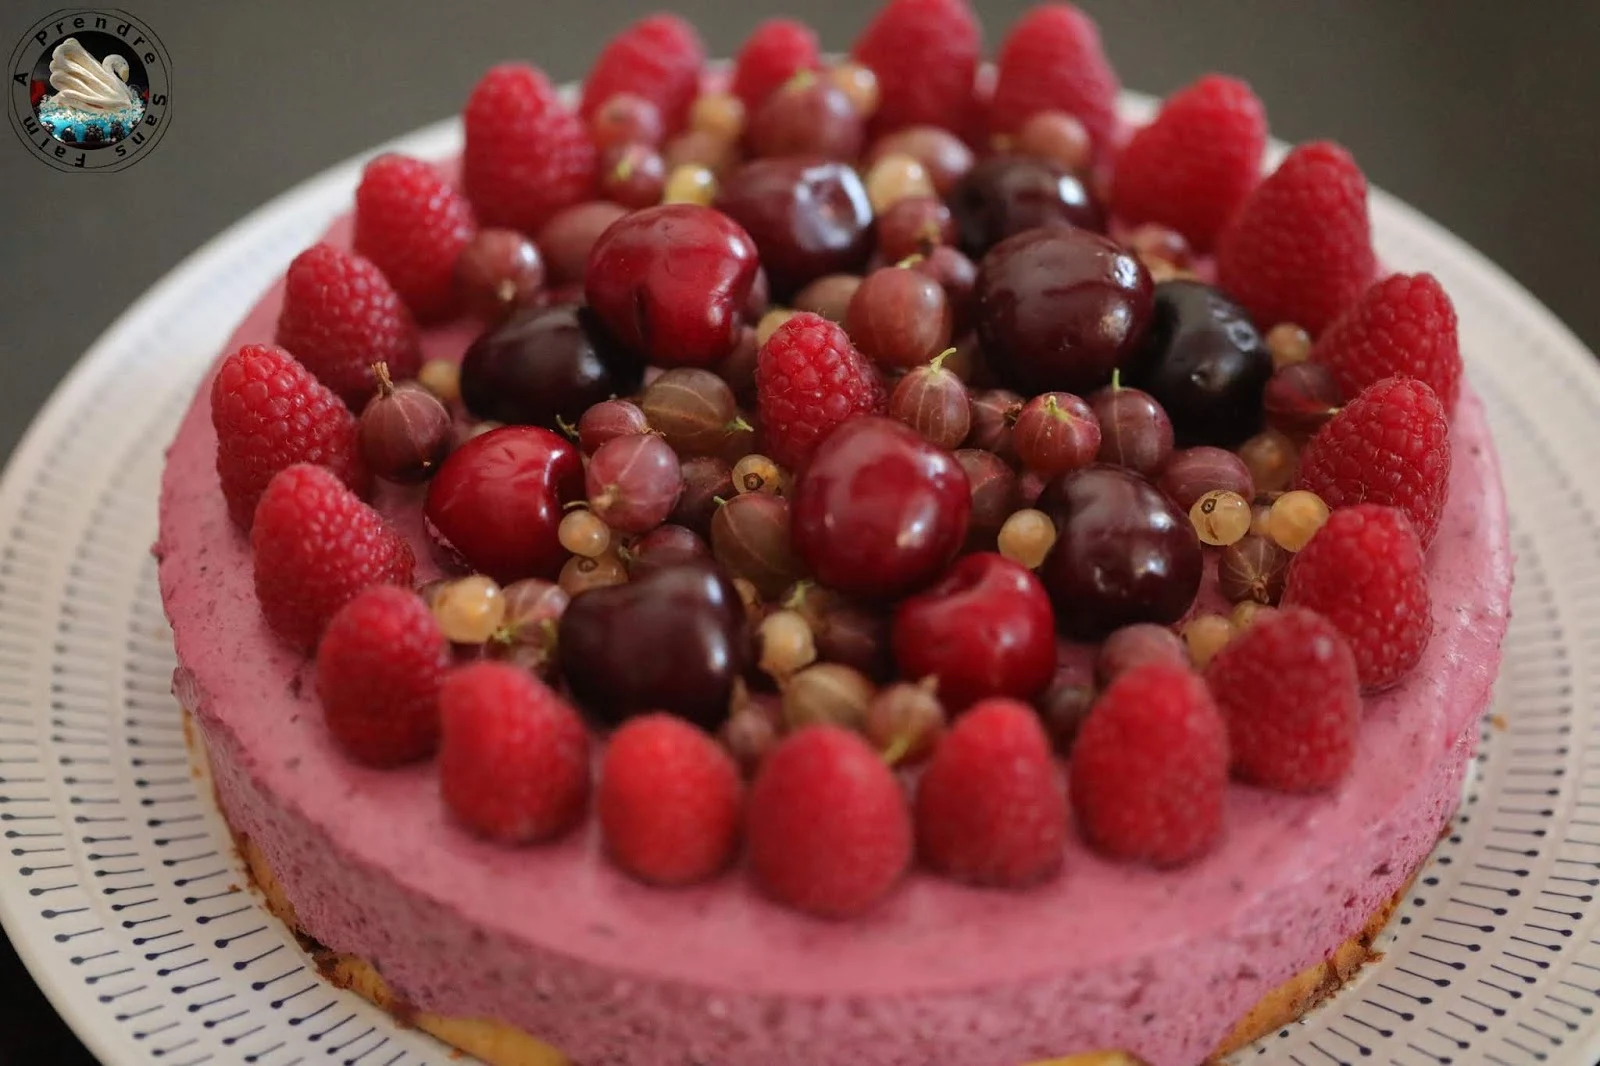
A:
[316, 545]
[827, 827]
[774, 53]
[513, 756]
[925, 54]
[1150, 767]
[1363, 572]
[269, 413]
[526, 154]
[668, 800]
[1403, 326]
[1052, 61]
[809, 380]
[1194, 165]
[413, 225]
[340, 316]
[1389, 445]
[1287, 688]
[990, 807]
[1300, 247]
[657, 58]
[378, 672]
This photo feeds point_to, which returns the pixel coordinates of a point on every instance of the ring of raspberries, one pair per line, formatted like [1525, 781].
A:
[826, 421]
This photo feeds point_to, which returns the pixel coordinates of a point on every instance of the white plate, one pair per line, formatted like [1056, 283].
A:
[119, 887]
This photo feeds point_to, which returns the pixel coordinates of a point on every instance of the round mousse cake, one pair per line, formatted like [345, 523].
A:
[860, 563]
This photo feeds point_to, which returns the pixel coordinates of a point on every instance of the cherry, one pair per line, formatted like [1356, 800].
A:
[545, 364]
[1123, 553]
[808, 217]
[880, 512]
[673, 639]
[1060, 309]
[985, 629]
[498, 501]
[1203, 360]
[672, 282]
[1005, 195]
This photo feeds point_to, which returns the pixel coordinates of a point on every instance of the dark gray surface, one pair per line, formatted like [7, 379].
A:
[1479, 113]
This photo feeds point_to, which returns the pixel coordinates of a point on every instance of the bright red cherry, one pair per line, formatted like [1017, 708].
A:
[498, 501]
[986, 629]
[880, 511]
[672, 282]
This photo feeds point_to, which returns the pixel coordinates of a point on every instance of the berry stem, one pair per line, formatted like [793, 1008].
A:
[380, 370]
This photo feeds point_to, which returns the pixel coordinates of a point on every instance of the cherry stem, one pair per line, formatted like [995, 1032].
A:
[567, 427]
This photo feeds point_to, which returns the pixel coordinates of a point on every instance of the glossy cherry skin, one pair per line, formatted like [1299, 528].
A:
[1203, 360]
[1124, 553]
[808, 217]
[545, 364]
[671, 283]
[1059, 309]
[985, 629]
[671, 640]
[879, 512]
[1004, 195]
[499, 498]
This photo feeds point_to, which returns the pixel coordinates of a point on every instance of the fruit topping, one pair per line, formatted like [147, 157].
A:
[1300, 398]
[1252, 569]
[658, 59]
[404, 431]
[499, 499]
[807, 217]
[1135, 431]
[668, 801]
[513, 756]
[807, 116]
[1191, 473]
[1003, 196]
[413, 225]
[497, 272]
[1149, 768]
[1123, 553]
[527, 156]
[1363, 572]
[633, 482]
[1051, 60]
[607, 420]
[673, 641]
[1402, 326]
[827, 828]
[1056, 432]
[750, 536]
[379, 667]
[899, 318]
[1135, 645]
[809, 380]
[315, 545]
[777, 51]
[1220, 517]
[827, 694]
[905, 721]
[925, 55]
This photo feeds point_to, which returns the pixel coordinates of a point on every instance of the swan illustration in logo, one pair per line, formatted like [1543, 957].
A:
[93, 103]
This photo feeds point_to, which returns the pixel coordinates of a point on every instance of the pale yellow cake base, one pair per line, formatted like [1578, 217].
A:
[500, 1044]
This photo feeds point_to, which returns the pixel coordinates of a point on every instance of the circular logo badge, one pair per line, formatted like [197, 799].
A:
[90, 89]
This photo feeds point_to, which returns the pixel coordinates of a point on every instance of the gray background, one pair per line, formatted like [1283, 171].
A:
[1482, 114]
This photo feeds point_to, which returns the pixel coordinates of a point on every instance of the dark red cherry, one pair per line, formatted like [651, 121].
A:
[672, 282]
[1059, 309]
[545, 364]
[1004, 195]
[879, 512]
[673, 639]
[807, 217]
[1124, 553]
[499, 498]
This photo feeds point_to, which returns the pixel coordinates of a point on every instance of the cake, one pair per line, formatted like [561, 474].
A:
[703, 680]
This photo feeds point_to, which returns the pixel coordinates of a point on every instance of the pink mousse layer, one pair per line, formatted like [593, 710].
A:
[554, 940]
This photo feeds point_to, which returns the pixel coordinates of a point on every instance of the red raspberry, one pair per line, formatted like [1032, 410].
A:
[1194, 165]
[1287, 688]
[412, 223]
[1150, 767]
[340, 315]
[1363, 572]
[1389, 445]
[316, 545]
[990, 806]
[777, 51]
[269, 413]
[1052, 61]
[925, 54]
[527, 155]
[1403, 326]
[1300, 247]
[827, 827]
[513, 755]
[657, 58]
[809, 380]
[378, 672]
[669, 801]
